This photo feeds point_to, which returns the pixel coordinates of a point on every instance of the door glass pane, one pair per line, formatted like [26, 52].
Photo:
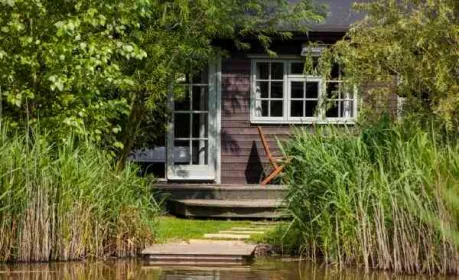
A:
[200, 125]
[263, 70]
[312, 89]
[296, 109]
[200, 152]
[311, 107]
[181, 152]
[182, 98]
[277, 71]
[277, 108]
[182, 125]
[201, 77]
[200, 98]
[297, 89]
[277, 89]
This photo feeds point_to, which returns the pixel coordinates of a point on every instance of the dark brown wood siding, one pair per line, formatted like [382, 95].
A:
[243, 159]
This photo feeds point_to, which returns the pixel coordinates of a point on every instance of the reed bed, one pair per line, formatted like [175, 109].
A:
[66, 201]
[385, 198]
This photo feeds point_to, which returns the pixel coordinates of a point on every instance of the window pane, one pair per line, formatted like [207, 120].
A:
[200, 100]
[277, 108]
[347, 109]
[296, 68]
[181, 152]
[263, 70]
[296, 109]
[311, 107]
[200, 127]
[332, 111]
[201, 77]
[264, 108]
[262, 89]
[199, 152]
[277, 71]
[297, 90]
[312, 89]
[277, 89]
[182, 98]
[182, 125]
[333, 90]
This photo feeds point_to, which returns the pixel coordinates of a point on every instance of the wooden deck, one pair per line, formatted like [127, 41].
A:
[208, 252]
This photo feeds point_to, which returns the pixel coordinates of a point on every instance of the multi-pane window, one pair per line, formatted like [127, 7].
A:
[283, 93]
[191, 122]
[269, 89]
[304, 97]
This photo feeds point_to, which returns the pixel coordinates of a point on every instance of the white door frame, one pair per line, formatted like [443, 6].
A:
[211, 171]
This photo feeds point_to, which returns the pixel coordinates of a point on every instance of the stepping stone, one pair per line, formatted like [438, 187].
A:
[240, 232]
[227, 236]
[264, 223]
[252, 228]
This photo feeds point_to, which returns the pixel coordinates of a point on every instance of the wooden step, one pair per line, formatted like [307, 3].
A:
[215, 208]
[224, 192]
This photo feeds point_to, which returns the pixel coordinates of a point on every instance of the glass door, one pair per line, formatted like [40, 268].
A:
[191, 141]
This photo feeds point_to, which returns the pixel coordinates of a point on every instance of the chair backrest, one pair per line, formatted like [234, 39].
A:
[266, 147]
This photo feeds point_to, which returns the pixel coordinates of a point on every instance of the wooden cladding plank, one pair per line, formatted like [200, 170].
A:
[238, 123]
[229, 114]
[236, 166]
[253, 131]
[245, 160]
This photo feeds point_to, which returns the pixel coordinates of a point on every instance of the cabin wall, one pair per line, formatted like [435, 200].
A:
[243, 159]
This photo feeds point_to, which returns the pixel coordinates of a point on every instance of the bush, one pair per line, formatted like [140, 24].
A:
[66, 201]
[384, 199]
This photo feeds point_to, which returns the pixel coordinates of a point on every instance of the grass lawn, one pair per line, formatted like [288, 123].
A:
[172, 228]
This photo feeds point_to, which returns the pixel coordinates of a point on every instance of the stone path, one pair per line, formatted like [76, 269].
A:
[241, 233]
[225, 247]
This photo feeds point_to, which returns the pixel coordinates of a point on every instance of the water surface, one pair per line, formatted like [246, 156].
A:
[263, 269]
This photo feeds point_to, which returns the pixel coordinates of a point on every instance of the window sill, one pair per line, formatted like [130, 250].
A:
[310, 121]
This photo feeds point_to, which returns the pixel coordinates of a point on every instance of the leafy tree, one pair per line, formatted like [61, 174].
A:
[414, 40]
[99, 67]
[60, 63]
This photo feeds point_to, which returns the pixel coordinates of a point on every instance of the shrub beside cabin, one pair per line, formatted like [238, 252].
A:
[213, 136]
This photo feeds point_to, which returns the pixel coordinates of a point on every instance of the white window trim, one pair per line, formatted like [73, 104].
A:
[286, 118]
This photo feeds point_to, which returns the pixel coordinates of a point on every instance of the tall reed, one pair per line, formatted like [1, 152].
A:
[64, 201]
[385, 198]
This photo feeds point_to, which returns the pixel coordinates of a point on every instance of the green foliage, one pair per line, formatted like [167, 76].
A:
[382, 199]
[415, 41]
[65, 201]
[60, 63]
[84, 65]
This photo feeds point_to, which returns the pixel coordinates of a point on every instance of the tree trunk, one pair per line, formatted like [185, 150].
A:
[138, 110]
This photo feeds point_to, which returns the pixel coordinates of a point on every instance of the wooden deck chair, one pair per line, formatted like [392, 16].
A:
[278, 163]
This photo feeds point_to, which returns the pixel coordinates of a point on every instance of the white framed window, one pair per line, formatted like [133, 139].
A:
[282, 93]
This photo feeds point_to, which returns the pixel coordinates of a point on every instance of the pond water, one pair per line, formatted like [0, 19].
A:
[271, 268]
